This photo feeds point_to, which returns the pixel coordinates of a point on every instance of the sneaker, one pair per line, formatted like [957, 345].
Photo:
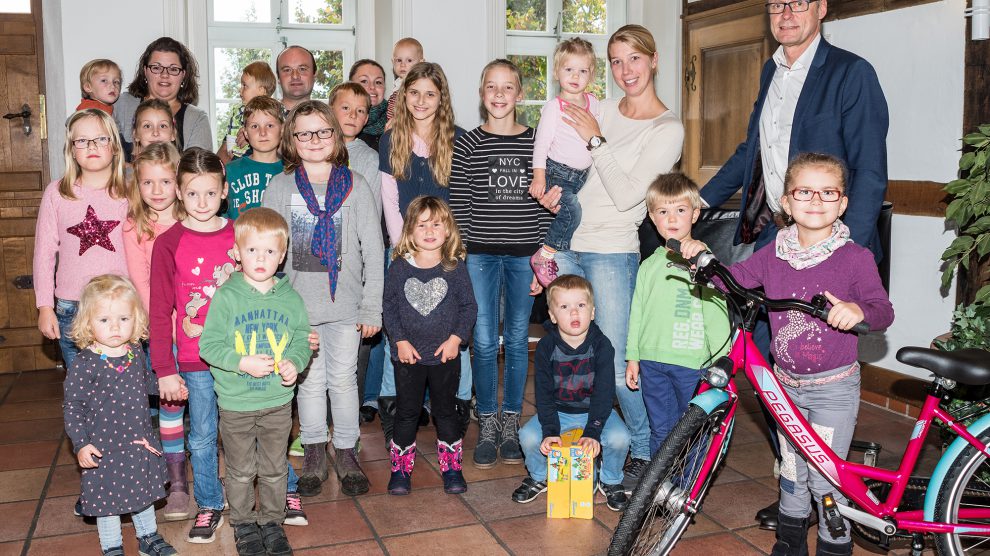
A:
[545, 268]
[115, 551]
[294, 514]
[154, 545]
[367, 413]
[204, 528]
[486, 452]
[633, 470]
[275, 541]
[247, 537]
[77, 509]
[615, 496]
[296, 449]
[529, 490]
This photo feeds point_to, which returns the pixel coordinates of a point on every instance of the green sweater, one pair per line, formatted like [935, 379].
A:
[243, 321]
[673, 320]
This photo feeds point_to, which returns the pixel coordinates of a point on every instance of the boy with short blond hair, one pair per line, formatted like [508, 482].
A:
[575, 384]
[99, 83]
[406, 53]
[248, 176]
[676, 328]
[255, 340]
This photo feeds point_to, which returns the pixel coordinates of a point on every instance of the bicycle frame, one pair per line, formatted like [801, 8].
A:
[846, 476]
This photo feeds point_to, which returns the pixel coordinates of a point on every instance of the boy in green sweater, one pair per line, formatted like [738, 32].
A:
[675, 327]
[255, 340]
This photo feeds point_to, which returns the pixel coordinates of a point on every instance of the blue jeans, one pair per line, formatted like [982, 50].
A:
[613, 276]
[292, 485]
[203, 419]
[614, 440]
[108, 527]
[376, 370]
[667, 389]
[570, 181]
[65, 313]
[491, 275]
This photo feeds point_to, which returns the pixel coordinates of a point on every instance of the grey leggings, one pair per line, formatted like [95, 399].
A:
[831, 409]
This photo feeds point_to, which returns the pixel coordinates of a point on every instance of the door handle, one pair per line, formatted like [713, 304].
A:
[25, 115]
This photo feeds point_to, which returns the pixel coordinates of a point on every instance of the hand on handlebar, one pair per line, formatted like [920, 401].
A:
[691, 248]
[844, 315]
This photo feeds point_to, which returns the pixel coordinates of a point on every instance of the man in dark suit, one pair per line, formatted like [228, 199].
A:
[814, 97]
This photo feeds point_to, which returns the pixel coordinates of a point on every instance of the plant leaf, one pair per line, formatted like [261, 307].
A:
[958, 187]
[966, 160]
[983, 296]
[948, 273]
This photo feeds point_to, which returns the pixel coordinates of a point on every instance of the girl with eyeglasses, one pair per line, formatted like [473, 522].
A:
[166, 71]
[79, 224]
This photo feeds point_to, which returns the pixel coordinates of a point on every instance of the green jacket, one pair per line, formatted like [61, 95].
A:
[673, 320]
[243, 321]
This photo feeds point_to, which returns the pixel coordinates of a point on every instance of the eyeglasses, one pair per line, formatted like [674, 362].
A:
[171, 70]
[98, 142]
[795, 6]
[307, 136]
[825, 195]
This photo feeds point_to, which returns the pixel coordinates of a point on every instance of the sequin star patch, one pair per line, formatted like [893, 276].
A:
[93, 231]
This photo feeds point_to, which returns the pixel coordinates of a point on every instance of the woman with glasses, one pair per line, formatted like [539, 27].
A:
[166, 71]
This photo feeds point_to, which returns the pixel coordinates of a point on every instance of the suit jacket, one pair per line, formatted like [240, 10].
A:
[842, 112]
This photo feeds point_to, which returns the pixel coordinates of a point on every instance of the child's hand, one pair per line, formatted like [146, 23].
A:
[692, 247]
[844, 314]
[88, 457]
[548, 442]
[48, 323]
[406, 352]
[314, 341]
[551, 199]
[632, 375]
[258, 366]
[538, 186]
[449, 349]
[590, 446]
[535, 288]
[368, 330]
[172, 388]
[241, 139]
[287, 370]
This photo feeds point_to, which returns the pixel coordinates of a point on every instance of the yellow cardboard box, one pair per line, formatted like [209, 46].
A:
[570, 479]
[582, 483]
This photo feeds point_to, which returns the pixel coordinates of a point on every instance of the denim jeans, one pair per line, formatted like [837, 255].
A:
[65, 313]
[613, 276]
[491, 276]
[333, 373]
[570, 181]
[667, 389]
[375, 372]
[614, 440]
[204, 416]
[108, 527]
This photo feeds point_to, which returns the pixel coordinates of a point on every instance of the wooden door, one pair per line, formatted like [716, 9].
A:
[724, 51]
[23, 176]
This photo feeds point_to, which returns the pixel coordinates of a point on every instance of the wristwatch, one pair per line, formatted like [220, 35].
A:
[595, 142]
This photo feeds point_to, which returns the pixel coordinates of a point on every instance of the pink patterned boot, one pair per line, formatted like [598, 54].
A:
[403, 460]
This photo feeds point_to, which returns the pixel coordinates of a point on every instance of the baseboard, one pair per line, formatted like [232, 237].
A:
[891, 390]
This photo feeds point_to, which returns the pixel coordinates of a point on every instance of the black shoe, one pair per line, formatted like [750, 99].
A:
[367, 413]
[77, 509]
[486, 452]
[155, 545]
[791, 537]
[247, 537]
[453, 482]
[205, 526]
[768, 516]
[826, 548]
[632, 472]
[115, 551]
[615, 496]
[275, 541]
[529, 490]
[508, 447]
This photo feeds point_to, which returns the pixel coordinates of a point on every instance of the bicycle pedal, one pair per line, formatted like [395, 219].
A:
[832, 517]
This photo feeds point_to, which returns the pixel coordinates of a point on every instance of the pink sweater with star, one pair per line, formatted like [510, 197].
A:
[87, 236]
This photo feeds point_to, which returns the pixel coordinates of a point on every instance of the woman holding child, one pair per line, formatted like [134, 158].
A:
[636, 138]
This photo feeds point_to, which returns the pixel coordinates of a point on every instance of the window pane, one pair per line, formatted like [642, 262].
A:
[598, 87]
[329, 73]
[241, 11]
[528, 114]
[526, 15]
[224, 111]
[227, 66]
[316, 11]
[15, 6]
[534, 73]
[584, 16]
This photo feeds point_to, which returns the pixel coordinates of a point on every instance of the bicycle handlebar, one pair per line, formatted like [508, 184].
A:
[706, 265]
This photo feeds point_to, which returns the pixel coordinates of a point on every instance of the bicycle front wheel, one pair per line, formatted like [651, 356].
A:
[656, 516]
[966, 486]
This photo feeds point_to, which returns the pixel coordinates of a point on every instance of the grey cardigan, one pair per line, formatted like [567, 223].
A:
[196, 130]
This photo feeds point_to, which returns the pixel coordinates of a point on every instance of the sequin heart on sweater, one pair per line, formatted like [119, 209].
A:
[425, 297]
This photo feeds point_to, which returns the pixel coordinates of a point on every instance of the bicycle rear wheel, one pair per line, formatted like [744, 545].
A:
[656, 516]
[966, 486]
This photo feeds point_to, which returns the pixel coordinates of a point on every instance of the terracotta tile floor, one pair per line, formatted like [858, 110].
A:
[39, 482]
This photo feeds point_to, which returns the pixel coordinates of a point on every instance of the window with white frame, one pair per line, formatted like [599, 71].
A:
[534, 27]
[243, 31]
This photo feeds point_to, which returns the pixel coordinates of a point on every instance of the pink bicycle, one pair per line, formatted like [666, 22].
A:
[673, 487]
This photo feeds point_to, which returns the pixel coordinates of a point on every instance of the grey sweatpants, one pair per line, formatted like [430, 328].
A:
[831, 409]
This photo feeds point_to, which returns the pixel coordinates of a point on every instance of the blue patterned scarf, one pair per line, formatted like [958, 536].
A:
[324, 244]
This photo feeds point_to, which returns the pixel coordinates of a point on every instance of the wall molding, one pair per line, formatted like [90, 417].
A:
[496, 28]
[917, 198]
[402, 24]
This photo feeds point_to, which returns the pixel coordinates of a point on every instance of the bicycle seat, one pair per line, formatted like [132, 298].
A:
[965, 366]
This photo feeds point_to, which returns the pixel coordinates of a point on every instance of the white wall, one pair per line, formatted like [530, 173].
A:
[918, 55]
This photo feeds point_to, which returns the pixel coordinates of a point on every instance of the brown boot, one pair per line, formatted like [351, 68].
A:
[177, 504]
[314, 469]
[353, 481]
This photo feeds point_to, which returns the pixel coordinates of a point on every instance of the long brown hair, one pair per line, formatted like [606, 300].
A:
[403, 125]
[142, 217]
[290, 156]
[452, 249]
[188, 89]
[116, 187]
